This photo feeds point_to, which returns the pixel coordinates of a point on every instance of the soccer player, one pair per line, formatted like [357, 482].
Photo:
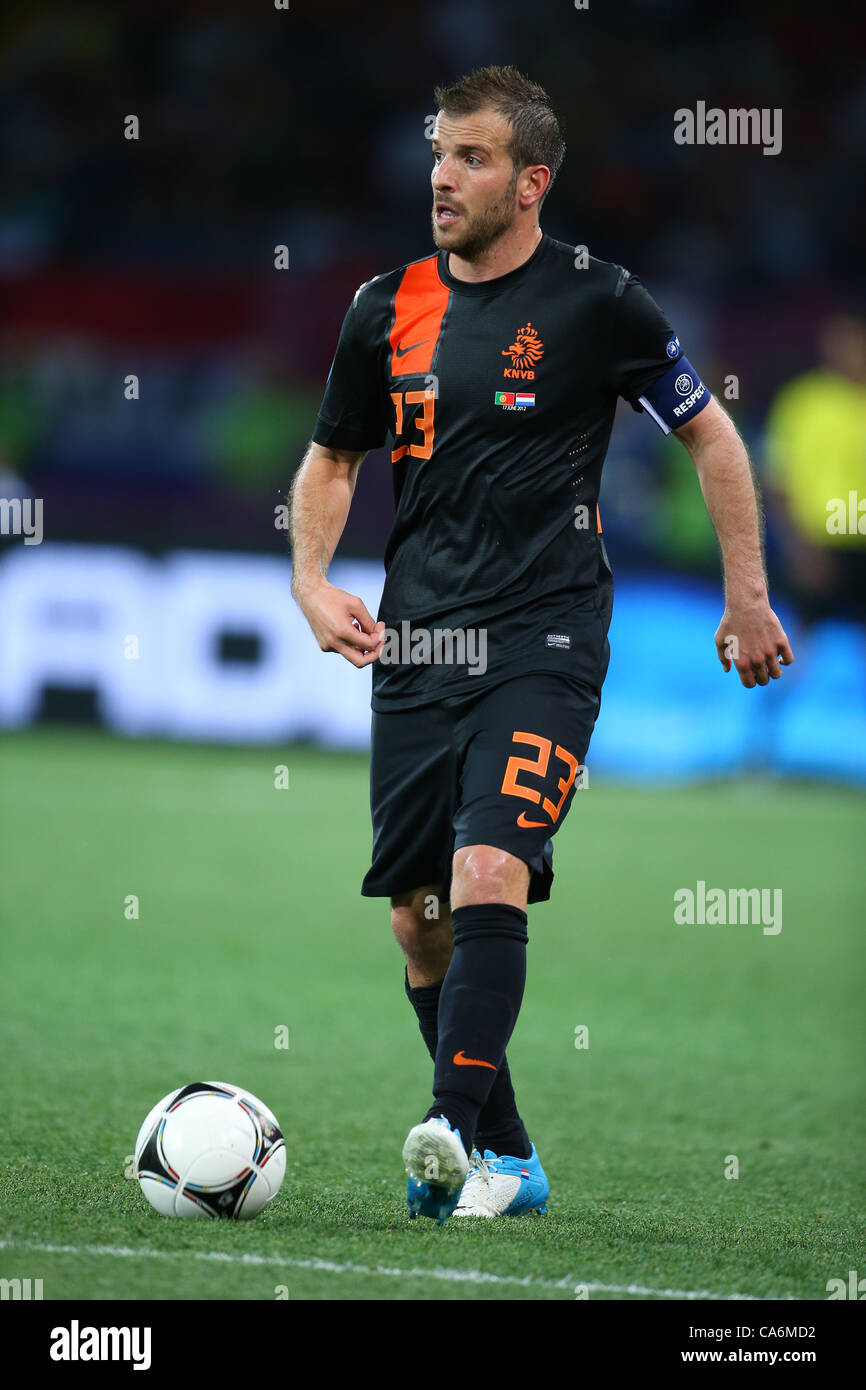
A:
[495, 365]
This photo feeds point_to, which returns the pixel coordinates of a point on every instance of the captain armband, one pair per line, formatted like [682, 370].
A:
[676, 397]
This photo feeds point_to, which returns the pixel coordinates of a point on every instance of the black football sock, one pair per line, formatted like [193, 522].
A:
[478, 1007]
[425, 1001]
[500, 1128]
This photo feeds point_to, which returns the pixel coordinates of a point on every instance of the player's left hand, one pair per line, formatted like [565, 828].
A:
[751, 638]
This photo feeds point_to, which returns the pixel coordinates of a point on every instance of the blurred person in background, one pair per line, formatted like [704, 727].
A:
[20, 418]
[816, 473]
[254, 432]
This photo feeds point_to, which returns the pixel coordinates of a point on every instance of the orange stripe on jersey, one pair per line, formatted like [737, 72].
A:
[419, 306]
[598, 520]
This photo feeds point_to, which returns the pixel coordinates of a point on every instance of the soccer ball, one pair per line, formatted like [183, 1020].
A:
[210, 1149]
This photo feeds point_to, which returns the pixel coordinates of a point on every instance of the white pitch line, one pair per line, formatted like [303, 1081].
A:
[451, 1276]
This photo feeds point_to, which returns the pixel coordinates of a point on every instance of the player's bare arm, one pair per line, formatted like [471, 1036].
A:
[320, 499]
[761, 647]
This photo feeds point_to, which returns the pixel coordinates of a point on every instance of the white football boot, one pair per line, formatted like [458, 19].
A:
[503, 1185]
[435, 1159]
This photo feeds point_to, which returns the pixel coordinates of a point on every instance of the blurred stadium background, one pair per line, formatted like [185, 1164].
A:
[305, 128]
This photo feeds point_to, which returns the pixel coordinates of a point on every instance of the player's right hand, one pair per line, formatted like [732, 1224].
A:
[341, 623]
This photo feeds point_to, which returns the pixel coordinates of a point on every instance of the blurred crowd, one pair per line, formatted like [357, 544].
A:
[305, 127]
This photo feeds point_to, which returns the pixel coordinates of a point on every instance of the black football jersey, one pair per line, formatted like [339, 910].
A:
[499, 399]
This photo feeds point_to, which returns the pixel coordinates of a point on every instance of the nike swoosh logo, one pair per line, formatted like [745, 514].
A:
[530, 824]
[401, 351]
[461, 1060]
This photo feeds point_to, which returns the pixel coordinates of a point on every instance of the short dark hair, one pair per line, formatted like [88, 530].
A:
[536, 137]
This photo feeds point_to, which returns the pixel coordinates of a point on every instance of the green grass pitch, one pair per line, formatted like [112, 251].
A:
[704, 1042]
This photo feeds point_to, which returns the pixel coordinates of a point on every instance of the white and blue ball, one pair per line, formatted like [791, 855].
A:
[210, 1149]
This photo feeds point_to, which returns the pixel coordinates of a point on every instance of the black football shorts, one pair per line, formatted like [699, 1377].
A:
[496, 768]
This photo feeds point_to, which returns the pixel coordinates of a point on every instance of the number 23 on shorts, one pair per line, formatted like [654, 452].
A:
[537, 767]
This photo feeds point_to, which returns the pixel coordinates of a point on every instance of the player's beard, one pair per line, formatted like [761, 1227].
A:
[482, 230]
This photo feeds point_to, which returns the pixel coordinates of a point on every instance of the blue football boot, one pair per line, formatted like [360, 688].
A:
[437, 1165]
[501, 1185]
